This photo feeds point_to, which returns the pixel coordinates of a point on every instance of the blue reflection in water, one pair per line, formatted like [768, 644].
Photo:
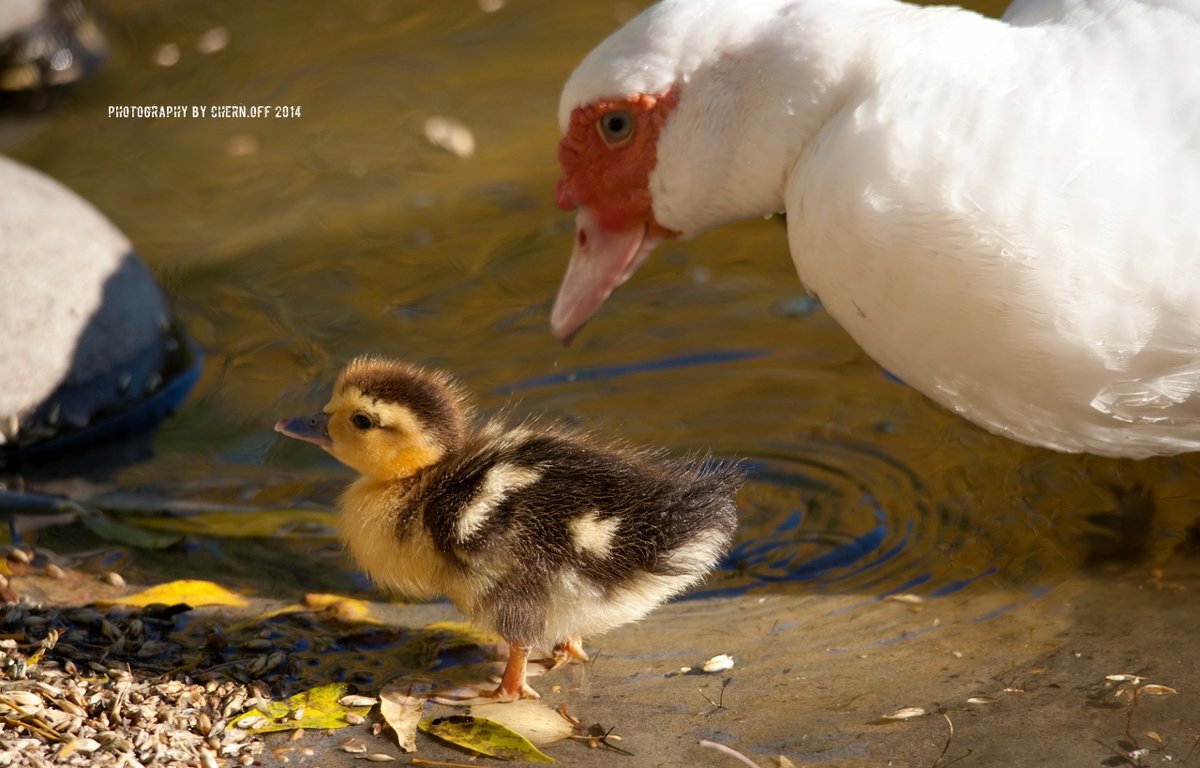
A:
[615, 370]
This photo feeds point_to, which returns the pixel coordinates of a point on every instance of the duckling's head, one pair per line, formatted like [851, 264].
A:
[387, 419]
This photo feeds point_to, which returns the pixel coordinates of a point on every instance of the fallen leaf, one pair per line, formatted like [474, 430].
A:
[718, 663]
[191, 591]
[462, 633]
[402, 711]
[315, 708]
[785, 763]
[131, 535]
[532, 719]
[250, 523]
[342, 607]
[484, 736]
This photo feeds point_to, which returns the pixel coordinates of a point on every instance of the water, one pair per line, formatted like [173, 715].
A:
[293, 244]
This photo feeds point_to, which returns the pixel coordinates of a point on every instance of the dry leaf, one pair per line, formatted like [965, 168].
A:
[532, 719]
[718, 663]
[402, 711]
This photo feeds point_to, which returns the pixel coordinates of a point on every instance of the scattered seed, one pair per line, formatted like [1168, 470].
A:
[906, 713]
[354, 719]
[113, 578]
[353, 746]
[55, 571]
[354, 700]
[1153, 689]
[982, 700]
[379, 757]
[19, 555]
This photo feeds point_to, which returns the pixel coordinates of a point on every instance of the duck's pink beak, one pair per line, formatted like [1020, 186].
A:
[601, 260]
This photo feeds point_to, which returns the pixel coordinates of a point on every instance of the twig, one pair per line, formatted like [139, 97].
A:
[439, 763]
[1133, 702]
[949, 738]
[729, 751]
[719, 704]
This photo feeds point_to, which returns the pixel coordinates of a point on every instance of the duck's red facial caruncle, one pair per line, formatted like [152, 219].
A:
[607, 154]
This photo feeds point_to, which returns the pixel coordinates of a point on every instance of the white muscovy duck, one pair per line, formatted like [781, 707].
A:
[1003, 213]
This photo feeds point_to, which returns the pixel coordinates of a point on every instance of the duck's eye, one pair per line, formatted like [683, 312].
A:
[615, 127]
[361, 421]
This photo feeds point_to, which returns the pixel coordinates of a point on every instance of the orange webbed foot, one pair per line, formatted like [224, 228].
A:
[512, 683]
[568, 651]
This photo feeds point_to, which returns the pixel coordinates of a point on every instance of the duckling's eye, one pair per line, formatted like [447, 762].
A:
[615, 127]
[361, 421]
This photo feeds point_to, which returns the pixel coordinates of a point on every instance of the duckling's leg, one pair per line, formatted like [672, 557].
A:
[512, 684]
[568, 650]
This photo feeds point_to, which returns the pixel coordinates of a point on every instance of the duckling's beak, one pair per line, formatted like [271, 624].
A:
[311, 429]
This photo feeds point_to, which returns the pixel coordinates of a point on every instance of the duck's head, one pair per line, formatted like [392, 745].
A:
[386, 418]
[661, 137]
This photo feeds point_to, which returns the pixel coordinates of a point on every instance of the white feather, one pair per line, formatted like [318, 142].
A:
[1003, 216]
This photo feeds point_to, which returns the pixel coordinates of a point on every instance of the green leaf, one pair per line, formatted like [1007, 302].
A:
[484, 736]
[132, 535]
[316, 708]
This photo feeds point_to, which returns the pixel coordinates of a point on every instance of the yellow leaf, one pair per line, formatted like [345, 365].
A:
[316, 708]
[191, 591]
[484, 736]
[265, 524]
[462, 633]
[342, 607]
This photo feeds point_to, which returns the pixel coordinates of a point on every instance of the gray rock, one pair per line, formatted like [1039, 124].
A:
[85, 332]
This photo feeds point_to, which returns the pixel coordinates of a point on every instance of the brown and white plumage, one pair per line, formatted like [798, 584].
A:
[539, 533]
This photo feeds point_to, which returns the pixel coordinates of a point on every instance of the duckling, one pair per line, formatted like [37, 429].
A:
[541, 534]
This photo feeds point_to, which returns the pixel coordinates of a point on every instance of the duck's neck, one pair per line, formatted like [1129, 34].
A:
[755, 104]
